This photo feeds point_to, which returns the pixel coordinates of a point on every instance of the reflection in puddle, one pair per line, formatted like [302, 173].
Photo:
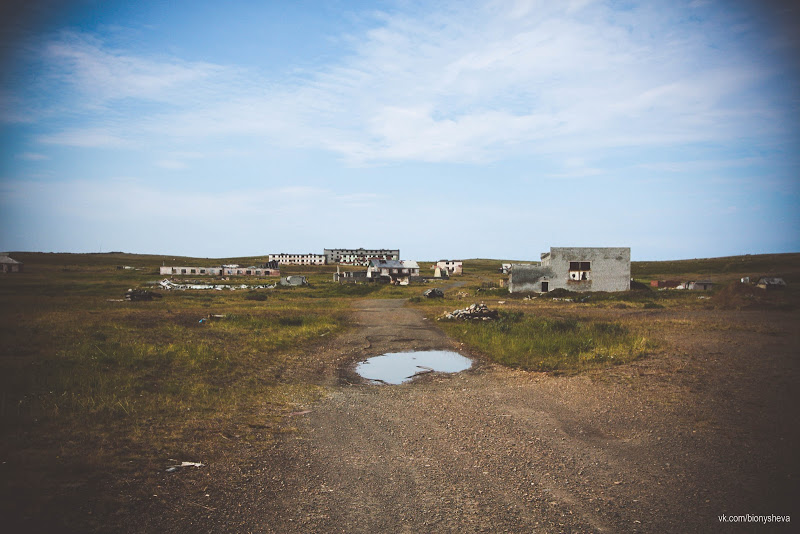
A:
[398, 367]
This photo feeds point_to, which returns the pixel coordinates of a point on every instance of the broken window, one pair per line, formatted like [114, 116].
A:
[579, 270]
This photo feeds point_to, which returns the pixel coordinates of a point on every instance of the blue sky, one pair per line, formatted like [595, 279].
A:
[467, 129]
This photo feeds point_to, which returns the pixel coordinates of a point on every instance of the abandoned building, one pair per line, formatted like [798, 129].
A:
[221, 270]
[359, 256]
[771, 283]
[451, 266]
[350, 277]
[701, 285]
[575, 269]
[298, 259]
[10, 265]
[294, 280]
[394, 271]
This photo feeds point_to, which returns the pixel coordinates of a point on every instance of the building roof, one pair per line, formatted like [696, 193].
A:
[394, 264]
[4, 258]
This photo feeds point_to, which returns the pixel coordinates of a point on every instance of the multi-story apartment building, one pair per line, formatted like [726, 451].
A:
[359, 256]
[298, 259]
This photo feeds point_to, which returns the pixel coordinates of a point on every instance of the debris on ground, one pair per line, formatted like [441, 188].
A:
[172, 468]
[474, 311]
[141, 294]
[170, 285]
[771, 283]
[433, 293]
[211, 317]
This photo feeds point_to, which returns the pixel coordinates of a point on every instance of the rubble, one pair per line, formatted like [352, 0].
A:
[433, 293]
[478, 312]
[141, 294]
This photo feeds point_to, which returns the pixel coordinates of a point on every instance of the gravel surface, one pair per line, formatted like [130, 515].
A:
[666, 444]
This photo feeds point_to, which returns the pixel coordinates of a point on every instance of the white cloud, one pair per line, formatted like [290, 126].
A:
[32, 156]
[102, 74]
[470, 84]
[131, 200]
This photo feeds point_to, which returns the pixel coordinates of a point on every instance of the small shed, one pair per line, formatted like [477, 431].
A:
[10, 265]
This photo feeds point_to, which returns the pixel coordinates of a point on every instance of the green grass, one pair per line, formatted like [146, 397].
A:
[539, 343]
[725, 268]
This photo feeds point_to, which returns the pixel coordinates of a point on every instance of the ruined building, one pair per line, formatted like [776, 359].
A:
[575, 269]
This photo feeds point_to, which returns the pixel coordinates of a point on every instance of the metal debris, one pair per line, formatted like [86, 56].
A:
[172, 468]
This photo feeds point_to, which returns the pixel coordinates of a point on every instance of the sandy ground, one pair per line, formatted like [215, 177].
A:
[666, 444]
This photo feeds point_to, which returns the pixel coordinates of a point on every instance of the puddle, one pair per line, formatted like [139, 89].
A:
[399, 367]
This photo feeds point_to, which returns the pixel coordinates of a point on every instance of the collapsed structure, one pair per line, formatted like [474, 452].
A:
[575, 269]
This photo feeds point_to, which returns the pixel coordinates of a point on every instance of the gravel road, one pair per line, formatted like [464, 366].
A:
[666, 444]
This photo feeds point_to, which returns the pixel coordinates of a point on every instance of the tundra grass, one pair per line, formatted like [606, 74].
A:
[538, 343]
[90, 385]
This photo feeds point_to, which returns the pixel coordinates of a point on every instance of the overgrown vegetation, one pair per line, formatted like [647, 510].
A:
[540, 343]
[92, 384]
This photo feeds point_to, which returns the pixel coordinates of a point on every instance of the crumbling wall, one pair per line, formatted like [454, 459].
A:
[609, 268]
[575, 269]
[526, 278]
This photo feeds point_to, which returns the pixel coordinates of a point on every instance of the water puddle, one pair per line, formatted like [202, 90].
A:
[399, 367]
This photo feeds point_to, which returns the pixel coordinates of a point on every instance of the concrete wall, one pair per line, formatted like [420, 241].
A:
[218, 271]
[528, 278]
[576, 269]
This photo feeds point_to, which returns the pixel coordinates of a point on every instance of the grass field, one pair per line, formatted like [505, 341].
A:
[93, 384]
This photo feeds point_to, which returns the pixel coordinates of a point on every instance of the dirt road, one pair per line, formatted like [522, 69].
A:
[666, 444]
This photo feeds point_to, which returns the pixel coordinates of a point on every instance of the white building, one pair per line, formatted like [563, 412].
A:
[222, 270]
[451, 266]
[298, 259]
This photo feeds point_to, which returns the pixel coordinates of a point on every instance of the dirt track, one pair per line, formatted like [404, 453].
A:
[666, 444]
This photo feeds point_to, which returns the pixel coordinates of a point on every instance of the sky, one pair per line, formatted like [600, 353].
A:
[465, 129]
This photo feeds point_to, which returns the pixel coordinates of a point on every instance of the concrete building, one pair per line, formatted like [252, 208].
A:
[220, 270]
[298, 259]
[350, 277]
[575, 269]
[359, 256]
[395, 271]
[451, 266]
[10, 265]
